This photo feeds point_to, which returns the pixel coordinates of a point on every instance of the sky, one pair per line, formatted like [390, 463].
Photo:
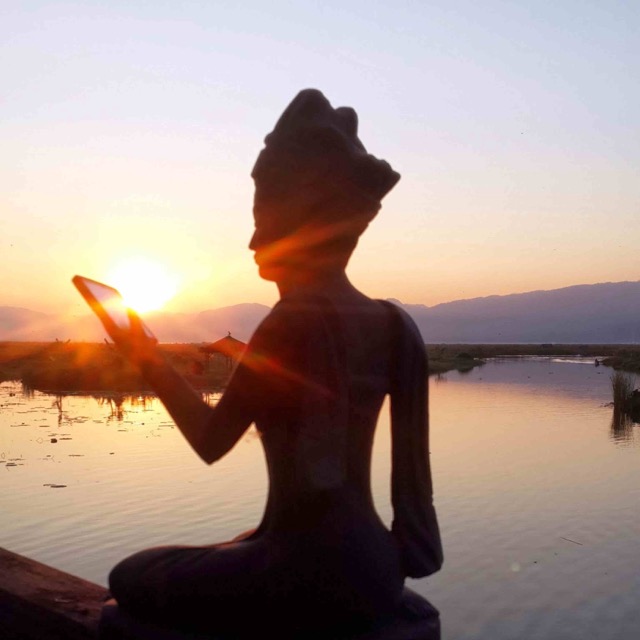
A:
[128, 131]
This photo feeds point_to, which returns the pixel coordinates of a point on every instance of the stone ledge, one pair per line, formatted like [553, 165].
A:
[38, 602]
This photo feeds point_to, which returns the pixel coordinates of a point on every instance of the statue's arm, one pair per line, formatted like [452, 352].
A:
[184, 404]
[415, 525]
[264, 378]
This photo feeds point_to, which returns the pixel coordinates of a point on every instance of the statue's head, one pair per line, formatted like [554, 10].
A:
[316, 189]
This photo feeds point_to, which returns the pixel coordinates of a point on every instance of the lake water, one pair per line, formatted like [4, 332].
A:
[537, 493]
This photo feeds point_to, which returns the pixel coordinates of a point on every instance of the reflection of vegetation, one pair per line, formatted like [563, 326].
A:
[622, 426]
[57, 403]
[116, 403]
[116, 406]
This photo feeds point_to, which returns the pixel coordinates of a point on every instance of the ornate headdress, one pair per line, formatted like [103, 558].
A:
[314, 170]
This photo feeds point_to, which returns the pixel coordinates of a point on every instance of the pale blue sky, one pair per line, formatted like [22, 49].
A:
[131, 128]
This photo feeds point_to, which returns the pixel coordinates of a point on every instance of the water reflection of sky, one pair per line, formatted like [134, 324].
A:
[537, 496]
[570, 377]
[537, 501]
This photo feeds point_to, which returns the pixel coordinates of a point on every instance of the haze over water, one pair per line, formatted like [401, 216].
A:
[536, 493]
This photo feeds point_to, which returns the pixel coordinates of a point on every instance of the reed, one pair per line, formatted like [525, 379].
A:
[622, 386]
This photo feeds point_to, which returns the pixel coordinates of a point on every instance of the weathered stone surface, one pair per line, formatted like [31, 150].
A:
[38, 602]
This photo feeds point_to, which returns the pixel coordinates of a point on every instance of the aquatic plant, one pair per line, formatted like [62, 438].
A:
[622, 386]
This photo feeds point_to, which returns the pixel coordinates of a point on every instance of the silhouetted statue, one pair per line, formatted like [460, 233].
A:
[313, 380]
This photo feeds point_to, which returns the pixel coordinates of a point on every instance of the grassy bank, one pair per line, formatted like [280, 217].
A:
[463, 357]
[497, 350]
[627, 359]
[443, 358]
[78, 366]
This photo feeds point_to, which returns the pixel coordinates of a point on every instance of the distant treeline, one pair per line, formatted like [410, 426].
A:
[85, 367]
[618, 356]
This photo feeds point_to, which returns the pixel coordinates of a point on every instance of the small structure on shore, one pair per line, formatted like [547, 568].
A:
[228, 349]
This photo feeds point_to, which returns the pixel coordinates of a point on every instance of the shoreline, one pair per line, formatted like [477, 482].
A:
[80, 367]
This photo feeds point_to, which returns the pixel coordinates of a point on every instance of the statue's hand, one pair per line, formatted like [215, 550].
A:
[135, 343]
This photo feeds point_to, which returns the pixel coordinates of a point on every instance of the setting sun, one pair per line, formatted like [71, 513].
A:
[145, 285]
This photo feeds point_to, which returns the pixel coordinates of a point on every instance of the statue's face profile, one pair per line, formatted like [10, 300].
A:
[272, 246]
[284, 250]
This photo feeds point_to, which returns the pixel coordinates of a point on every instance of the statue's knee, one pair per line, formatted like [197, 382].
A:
[119, 578]
[127, 575]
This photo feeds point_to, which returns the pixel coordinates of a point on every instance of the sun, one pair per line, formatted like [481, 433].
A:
[144, 284]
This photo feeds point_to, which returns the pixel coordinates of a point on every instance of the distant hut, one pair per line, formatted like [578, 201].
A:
[227, 349]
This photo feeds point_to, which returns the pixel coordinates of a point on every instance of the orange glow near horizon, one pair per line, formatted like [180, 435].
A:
[144, 284]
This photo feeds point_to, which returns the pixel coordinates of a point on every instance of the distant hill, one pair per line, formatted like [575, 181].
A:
[17, 323]
[207, 326]
[592, 313]
[596, 313]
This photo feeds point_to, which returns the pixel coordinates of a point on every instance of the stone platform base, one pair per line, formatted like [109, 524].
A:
[38, 602]
[415, 619]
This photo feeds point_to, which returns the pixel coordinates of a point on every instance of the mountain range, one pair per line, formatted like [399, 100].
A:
[606, 313]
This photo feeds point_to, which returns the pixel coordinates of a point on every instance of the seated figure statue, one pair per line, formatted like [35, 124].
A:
[313, 380]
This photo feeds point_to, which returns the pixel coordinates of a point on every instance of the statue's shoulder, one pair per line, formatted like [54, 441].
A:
[404, 325]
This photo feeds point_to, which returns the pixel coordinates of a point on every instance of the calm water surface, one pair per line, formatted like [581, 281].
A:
[538, 495]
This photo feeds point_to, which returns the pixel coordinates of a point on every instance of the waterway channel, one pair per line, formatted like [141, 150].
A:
[537, 492]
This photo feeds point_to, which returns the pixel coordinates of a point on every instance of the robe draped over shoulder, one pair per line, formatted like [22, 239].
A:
[415, 525]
